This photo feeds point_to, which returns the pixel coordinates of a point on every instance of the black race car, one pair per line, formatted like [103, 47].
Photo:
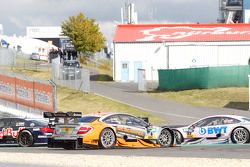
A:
[24, 132]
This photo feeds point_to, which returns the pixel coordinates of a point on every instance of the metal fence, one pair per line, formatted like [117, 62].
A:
[74, 78]
[7, 56]
[203, 78]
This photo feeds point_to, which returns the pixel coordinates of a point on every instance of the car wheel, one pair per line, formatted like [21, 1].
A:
[178, 137]
[240, 135]
[107, 138]
[25, 138]
[165, 138]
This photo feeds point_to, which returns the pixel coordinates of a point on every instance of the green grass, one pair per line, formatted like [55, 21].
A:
[232, 97]
[103, 68]
[71, 100]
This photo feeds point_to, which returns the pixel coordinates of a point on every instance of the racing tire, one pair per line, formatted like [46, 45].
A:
[166, 138]
[107, 139]
[240, 135]
[178, 137]
[25, 138]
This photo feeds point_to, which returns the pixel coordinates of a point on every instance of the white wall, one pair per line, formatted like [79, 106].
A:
[181, 55]
[247, 16]
[152, 55]
[44, 32]
[192, 56]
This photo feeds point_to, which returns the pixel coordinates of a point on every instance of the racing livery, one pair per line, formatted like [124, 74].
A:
[218, 128]
[106, 130]
[24, 132]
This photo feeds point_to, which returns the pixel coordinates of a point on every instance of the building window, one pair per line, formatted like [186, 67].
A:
[124, 65]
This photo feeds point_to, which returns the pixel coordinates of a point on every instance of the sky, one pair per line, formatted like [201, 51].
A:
[16, 15]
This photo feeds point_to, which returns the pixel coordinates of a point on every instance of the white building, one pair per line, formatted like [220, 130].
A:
[43, 31]
[51, 34]
[176, 46]
[246, 7]
[28, 45]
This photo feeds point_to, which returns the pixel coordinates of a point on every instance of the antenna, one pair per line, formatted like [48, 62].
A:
[128, 15]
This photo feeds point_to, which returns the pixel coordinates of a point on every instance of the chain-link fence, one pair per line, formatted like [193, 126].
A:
[7, 57]
[71, 77]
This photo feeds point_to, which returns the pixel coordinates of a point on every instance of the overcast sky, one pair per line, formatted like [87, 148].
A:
[15, 15]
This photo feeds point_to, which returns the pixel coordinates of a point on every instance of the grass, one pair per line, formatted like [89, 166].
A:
[103, 70]
[71, 100]
[232, 97]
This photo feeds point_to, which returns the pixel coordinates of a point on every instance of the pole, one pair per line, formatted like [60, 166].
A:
[248, 92]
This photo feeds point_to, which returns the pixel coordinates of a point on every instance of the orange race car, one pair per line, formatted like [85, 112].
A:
[105, 130]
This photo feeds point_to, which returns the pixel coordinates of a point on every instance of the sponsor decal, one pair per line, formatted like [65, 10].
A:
[10, 132]
[191, 136]
[6, 88]
[42, 136]
[42, 97]
[213, 130]
[202, 131]
[151, 130]
[181, 32]
[150, 137]
[23, 92]
[130, 131]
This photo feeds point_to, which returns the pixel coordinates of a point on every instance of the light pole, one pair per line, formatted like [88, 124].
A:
[167, 54]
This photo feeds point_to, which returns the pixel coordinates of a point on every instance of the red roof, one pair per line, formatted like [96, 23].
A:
[182, 32]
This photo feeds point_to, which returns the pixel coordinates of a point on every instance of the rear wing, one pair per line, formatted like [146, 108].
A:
[62, 115]
[62, 118]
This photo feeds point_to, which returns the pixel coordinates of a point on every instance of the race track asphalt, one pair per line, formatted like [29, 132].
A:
[172, 112]
[192, 151]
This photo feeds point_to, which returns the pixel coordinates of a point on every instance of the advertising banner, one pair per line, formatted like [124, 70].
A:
[43, 97]
[182, 32]
[27, 92]
[7, 88]
[24, 92]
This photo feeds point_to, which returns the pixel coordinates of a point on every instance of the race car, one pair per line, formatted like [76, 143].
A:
[24, 132]
[217, 128]
[105, 130]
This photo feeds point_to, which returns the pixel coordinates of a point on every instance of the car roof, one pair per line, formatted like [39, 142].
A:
[232, 116]
[106, 114]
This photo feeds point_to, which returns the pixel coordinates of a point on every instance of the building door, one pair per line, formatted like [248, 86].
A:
[137, 65]
[125, 71]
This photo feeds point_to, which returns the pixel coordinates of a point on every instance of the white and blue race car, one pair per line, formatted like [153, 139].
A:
[217, 129]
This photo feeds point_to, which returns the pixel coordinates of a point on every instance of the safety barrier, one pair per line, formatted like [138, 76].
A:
[27, 92]
[200, 78]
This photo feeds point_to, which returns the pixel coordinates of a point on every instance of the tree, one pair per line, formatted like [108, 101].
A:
[84, 34]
